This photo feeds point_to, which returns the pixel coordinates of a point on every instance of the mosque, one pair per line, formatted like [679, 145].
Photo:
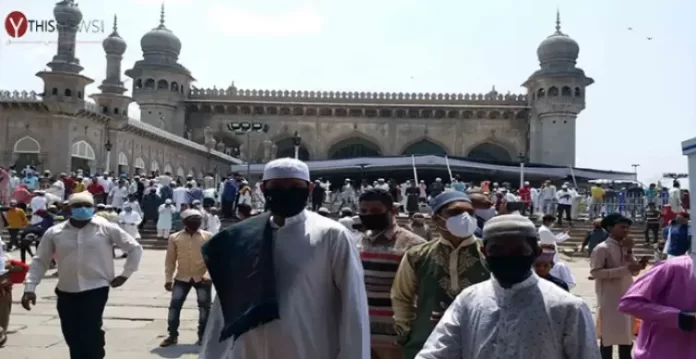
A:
[188, 130]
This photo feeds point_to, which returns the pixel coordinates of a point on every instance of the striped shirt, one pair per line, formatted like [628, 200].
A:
[381, 255]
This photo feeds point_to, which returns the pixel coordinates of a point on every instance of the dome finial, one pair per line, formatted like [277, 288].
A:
[162, 15]
[115, 23]
[558, 21]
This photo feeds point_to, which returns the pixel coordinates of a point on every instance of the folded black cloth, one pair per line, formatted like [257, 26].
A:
[240, 264]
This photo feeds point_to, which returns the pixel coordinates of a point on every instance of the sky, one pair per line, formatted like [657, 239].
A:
[639, 109]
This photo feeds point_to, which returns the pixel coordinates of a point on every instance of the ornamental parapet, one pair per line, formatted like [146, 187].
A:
[294, 96]
[19, 96]
[144, 129]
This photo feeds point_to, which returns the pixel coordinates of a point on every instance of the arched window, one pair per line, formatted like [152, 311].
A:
[139, 163]
[168, 168]
[175, 87]
[84, 150]
[424, 147]
[578, 92]
[68, 92]
[154, 166]
[122, 159]
[180, 172]
[54, 91]
[566, 91]
[541, 93]
[162, 85]
[139, 83]
[354, 147]
[150, 83]
[27, 144]
[553, 91]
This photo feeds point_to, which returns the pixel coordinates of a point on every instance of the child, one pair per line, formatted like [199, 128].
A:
[543, 266]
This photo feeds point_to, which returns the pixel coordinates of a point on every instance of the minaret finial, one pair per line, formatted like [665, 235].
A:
[115, 23]
[162, 15]
[558, 21]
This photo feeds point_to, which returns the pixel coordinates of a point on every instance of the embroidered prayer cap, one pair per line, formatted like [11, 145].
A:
[284, 168]
[168, 201]
[191, 213]
[324, 210]
[81, 198]
[101, 206]
[446, 198]
[614, 219]
[509, 225]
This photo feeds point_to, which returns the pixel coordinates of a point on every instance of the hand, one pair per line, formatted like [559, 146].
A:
[168, 286]
[635, 266]
[118, 281]
[435, 316]
[28, 299]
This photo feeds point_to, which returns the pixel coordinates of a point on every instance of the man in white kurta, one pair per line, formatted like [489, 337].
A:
[546, 237]
[319, 283]
[515, 314]
[38, 202]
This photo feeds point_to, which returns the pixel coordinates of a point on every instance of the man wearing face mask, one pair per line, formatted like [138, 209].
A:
[82, 248]
[515, 314]
[431, 275]
[381, 250]
[289, 281]
[184, 256]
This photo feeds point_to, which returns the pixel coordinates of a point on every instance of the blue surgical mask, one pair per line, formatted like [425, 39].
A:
[82, 213]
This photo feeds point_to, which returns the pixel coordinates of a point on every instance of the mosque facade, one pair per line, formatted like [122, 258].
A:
[188, 130]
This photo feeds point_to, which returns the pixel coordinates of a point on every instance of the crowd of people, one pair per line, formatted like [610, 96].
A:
[482, 282]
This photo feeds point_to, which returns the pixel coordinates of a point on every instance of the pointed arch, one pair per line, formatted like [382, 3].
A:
[168, 168]
[154, 166]
[82, 149]
[27, 144]
[286, 148]
[139, 163]
[424, 146]
[490, 151]
[354, 146]
[180, 172]
[122, 159]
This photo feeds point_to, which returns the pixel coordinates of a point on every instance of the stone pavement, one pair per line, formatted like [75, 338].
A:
[135, 317]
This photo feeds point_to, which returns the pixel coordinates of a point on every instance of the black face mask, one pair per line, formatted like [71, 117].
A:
[510, 269]
[375, 222]
[286, 202]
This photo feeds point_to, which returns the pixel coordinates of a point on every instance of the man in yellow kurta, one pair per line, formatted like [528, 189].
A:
[613, 267]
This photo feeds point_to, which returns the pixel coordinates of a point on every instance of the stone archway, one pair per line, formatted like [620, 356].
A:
[286, 148]
[489, 151]
[26, 152]
[353, 147]
[82, 156]
[424, 147]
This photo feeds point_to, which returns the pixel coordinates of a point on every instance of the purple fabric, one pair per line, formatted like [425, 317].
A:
[657, 297]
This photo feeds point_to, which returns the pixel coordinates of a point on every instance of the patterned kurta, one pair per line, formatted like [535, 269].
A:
[533, 319]
[430, 276]
[608, 263]
[380, 257]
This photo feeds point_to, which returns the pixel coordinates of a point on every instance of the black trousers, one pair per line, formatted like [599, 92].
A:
[561, 209]
[227, 208]
[180, 291]
[14, 238]
[81, 322]
[624, 352]
[654, 228]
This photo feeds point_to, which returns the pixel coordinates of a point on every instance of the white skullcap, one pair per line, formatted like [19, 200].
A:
[168, 201]
[286, 168]
[190, 213]
[81, 197]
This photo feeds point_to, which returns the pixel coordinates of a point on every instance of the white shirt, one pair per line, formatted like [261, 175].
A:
[213, 223]
[37, 203]
[118, 196]
[531, 320]
[548, 193]
[84, 255]
[564, 197]
[321, 294]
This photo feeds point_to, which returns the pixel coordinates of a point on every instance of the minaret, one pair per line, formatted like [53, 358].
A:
[64, 82]
[556, 94]
[111, 99]
[160, 83]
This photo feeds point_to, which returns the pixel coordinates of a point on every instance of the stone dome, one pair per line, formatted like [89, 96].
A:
[67, 13]
[558, 46]
[114, 44]
[160, 40]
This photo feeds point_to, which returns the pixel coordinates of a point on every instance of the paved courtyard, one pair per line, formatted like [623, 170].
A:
[135, 317]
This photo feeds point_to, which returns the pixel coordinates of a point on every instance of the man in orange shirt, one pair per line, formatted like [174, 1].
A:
[16, 221]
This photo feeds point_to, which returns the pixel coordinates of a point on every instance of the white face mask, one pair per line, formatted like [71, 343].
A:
[486, 214]
[462, 226]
